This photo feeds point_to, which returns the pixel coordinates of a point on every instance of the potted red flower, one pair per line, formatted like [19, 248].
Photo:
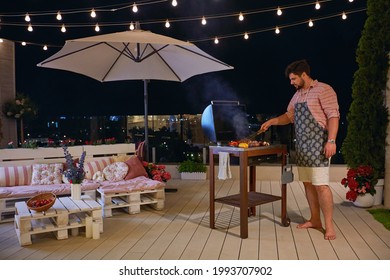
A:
[359, 181]
[156, 172]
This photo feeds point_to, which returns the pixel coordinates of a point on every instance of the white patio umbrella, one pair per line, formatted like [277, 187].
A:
[134, 55]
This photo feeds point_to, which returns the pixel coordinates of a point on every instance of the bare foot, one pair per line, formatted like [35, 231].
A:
[330, 234]
[309, 224]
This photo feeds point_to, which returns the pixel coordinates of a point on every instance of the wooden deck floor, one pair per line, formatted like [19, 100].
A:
[181, 231]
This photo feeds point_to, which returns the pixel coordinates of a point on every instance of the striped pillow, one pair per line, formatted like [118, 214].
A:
[92, 167]
[15, 176]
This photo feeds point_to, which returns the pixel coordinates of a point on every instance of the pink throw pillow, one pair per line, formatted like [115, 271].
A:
[136, 168]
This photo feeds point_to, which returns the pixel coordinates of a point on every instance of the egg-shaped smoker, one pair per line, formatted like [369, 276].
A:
[224, 121]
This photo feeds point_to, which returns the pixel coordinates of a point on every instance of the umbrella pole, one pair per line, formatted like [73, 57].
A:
[146, 120]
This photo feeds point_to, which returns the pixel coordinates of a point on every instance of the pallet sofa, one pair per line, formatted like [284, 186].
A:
[17, 167]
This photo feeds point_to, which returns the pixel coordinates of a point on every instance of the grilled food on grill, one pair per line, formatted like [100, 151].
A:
[246, 143]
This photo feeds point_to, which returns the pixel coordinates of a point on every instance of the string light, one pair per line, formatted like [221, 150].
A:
[279, 11]
[350, 1]
[216, 41]
[344, 16]
[246, 36]
[174, 3]
[24, 44]
[167, 24]
[135, 8]
[59, 17]
[241, 17]
[63, 29]
[277, 30]
[317, 6]
[27, 18]
[1, 40]
[97, 28]
[131, 27]
[45, 47]
[93, 13]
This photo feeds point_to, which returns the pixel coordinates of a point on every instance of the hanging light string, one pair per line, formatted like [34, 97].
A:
[305, 22]
[106, 8]
[246, 34]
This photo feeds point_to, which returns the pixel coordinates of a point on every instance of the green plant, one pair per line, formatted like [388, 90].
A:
[191, 166]
[365, 143]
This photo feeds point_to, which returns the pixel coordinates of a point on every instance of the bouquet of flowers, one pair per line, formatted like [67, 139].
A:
[360, 181]
[75, 172]
[156, 172]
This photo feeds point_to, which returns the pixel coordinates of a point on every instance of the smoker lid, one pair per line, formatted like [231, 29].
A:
[223, 121]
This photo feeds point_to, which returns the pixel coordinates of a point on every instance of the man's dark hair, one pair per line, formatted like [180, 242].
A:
[297, 68]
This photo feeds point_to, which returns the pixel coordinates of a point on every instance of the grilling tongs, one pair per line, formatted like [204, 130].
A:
[253, 135]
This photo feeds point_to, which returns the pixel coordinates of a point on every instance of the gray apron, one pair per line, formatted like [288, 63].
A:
[310, 138]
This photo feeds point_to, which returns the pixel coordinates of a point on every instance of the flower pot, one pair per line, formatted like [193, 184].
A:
[75, 191]
[364, 201]
[378, 196]
[193, 175]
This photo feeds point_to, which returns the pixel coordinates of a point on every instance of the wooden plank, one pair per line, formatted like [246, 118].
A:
[181, 231]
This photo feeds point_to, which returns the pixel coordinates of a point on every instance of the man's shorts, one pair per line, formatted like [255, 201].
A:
[318, 176]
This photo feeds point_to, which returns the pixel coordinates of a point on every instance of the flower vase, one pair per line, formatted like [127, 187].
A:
[75, 191]
[364, 201]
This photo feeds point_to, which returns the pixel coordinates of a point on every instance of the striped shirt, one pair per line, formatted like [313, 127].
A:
[321, 100]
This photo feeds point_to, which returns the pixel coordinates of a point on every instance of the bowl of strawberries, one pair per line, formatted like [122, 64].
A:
[41, 202]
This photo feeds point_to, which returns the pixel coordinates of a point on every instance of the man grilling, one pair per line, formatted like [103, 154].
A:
[314, 110]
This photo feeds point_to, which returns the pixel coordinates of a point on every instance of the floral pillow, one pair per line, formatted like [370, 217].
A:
[47, 174]
[115, 171]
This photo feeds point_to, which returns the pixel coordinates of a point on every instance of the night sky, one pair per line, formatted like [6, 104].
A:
[257, 81]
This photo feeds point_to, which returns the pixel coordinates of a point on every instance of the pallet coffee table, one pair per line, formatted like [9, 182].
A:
[66, 214]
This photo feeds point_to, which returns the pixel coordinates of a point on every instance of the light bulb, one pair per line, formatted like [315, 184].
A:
[167, 24]
[204, 21]
[344, 16]
[27, 18]
[246, 36]
[279, 12]
[24, 44]
[131, 27]
[311, 23]
[277, 30]
[174, 3]
[135, 8]
[45, 48]
[241, 17]
[93, 13]
[216, 41]
[59, 17]
[350, 1]
[318, 6]
[30, 28]
[1, 40]
[63, 29]
[97, 28]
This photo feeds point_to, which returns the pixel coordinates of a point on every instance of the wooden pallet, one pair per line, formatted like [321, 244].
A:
[7, 205]
[65, 215]
[131, 202]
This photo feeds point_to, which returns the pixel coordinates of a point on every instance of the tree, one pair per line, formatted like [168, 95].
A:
[20, 108]
[365, 142]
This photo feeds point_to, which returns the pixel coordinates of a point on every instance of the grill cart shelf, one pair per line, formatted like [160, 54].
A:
[247, 200]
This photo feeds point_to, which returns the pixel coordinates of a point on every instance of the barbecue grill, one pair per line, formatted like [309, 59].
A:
[224, 121]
